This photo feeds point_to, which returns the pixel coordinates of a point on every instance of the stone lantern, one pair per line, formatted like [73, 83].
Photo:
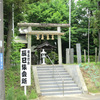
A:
[43, 56]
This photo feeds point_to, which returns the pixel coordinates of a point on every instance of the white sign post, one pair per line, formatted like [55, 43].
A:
[0, 44]
[25, 68]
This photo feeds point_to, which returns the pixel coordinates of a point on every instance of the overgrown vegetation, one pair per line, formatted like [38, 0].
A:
[92, 58]
[53, 56]
[91, 74]
[15, 53]
[13, 90]
[53, 11]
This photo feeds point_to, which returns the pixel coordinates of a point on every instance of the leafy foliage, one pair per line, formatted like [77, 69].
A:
[92, 58]
[22, 97]
[15, 53]
[57, 11]
[53, 56]
[13, 91]
[33, 95]
[91, 76]
[10, 94]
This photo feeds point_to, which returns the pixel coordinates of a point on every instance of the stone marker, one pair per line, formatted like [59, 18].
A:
[78, 51]
[71, 59]
[96, 54]
[67, 56]
[84, 55]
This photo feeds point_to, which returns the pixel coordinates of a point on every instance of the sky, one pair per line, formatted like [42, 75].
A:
[76, 0]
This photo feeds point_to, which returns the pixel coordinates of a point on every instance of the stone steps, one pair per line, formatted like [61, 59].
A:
[57, 93]
[55, 85]
[51, 82]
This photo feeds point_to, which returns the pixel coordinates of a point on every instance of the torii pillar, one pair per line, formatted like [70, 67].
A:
[29, 38]
[59, 46]
[58, 32]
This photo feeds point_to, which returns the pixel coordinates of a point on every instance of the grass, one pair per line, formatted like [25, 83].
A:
[91, 74]
[13, 90]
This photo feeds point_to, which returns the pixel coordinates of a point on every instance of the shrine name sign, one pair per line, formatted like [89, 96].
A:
[25, 67]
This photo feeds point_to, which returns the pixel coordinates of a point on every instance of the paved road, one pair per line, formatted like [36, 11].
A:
[75, 97]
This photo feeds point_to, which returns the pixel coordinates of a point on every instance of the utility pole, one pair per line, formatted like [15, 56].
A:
[13, 19]
[88, 35]
[2, 80]
[70, 31]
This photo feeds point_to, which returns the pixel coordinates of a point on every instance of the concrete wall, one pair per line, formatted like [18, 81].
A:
[76, 74]
[36, 79]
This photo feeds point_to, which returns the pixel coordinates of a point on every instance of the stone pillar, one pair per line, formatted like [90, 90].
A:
[84, 55]
[67, 56]
[96, 54]
[29, 38]
[72, 56]
[59, 46]
[78, 50]
[71, 60]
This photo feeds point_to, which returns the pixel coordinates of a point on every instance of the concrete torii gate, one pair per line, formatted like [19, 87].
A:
[58, 32]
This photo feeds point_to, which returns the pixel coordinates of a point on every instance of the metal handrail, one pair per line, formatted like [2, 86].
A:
[57, 73]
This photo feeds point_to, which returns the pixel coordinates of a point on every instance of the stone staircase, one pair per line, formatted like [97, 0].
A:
[51, 83]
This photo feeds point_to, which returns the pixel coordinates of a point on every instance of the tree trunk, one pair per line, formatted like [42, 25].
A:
[9, 38]
[99, 34]
[99, 46]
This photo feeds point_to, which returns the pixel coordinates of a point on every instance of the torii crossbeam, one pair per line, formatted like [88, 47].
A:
[58, 33]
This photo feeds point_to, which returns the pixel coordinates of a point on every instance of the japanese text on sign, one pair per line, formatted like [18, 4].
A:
[25, 67]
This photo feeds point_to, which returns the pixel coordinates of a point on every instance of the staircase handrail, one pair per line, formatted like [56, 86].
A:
[57, 73]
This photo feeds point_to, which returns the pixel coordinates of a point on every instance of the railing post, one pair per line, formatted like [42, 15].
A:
[63, 87]
[52, 64]
[53, 71]
[58, 74]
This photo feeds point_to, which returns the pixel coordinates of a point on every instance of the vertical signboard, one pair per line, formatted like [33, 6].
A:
[25, 67]
[1, 61]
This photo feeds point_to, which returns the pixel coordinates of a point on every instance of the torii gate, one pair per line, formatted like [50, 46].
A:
[32, 32]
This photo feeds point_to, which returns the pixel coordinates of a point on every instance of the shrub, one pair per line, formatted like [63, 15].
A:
[15, 53]
[33, 95]
[53, 56]
[22, 97]
[10, 94]
[92, 58]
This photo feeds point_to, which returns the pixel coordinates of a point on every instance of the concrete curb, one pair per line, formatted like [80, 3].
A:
[76, 74]
[36, 79]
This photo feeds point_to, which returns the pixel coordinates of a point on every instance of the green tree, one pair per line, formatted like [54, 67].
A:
[97, 23]
[15, 53]
[18, 8]
[57, 11]
[86, 6]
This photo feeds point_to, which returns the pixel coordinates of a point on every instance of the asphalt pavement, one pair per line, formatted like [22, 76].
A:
[72, 97]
